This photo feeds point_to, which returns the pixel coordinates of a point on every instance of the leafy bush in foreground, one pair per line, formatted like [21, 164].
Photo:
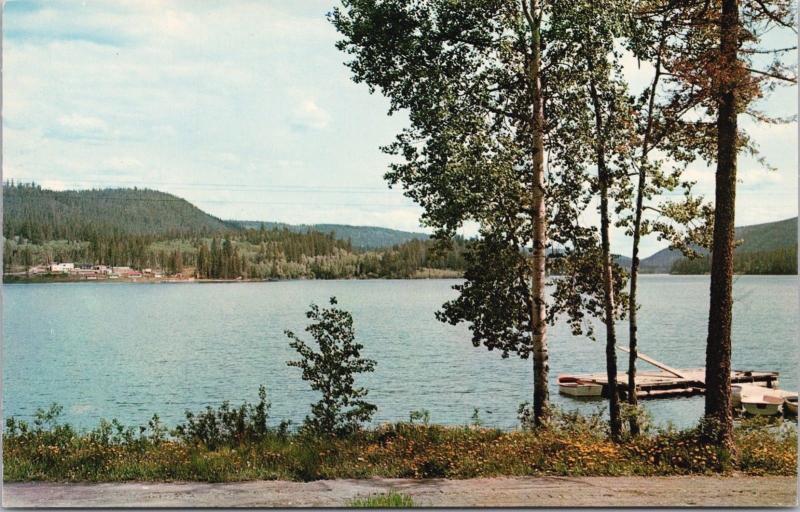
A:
[331, 370]
[228, 426]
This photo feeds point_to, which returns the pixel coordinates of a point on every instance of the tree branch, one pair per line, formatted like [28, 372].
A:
[792, 80]
[774, 17]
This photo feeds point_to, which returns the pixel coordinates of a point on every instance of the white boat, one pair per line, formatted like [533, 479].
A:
[573, 386]
[790, 405]
[765, 405]
[746, 391]
[743, 390]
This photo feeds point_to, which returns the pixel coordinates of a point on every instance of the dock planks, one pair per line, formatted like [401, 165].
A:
[662, 384]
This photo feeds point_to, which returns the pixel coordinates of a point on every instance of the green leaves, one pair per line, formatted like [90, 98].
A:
[331, 369]
[495, 297]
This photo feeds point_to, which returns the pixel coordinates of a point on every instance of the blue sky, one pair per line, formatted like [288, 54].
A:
[245, 109]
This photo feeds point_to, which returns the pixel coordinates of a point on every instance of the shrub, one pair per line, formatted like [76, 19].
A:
[331, 370]
[225, 426]
[46, 428]
[423, 415]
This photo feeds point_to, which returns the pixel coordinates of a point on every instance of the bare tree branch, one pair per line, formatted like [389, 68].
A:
[776, 76]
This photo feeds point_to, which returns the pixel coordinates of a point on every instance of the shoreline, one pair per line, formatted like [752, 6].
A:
[50, 280]
[202, 281]
[549, 491]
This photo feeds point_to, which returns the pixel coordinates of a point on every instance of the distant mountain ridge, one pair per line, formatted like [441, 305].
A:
[362, 237]
[37, 213]
[71, 214]
[41, 214]
[765, 237]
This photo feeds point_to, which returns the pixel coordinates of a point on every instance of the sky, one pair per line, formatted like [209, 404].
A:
[245, 108]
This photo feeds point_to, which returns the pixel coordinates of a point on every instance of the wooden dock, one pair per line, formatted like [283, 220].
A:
[664, 384]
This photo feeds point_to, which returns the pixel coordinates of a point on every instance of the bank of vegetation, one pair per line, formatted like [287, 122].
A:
[782, 261]
[240, 449]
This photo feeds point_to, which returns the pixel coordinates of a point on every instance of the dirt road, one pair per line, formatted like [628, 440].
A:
[540, 491]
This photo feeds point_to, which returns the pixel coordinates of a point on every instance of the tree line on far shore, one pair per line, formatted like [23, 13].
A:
[782, 261]
[249, 254]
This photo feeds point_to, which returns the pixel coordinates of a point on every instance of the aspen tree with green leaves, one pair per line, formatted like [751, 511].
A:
[665, 143]
[602, 130]
[480, 81]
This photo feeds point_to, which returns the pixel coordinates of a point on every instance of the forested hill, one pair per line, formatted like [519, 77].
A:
[763, 246]
[361, 237]
[146, 229]
[39, 214]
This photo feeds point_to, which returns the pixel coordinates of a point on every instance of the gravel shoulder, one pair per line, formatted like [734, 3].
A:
[732, 491]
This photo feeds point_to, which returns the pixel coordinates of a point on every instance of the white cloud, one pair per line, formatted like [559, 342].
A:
[638, 73]
[309, 115]
[701, 175]
[760, 176]
[78, 124]
[123, 164]
[195, 93]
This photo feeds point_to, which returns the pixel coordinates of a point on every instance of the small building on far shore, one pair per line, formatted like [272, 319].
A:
[62, 268]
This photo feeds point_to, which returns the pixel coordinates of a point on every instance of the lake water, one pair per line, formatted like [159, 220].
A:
[131, 350]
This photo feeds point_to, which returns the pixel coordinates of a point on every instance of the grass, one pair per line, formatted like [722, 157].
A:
[572, 445]
[388, 500]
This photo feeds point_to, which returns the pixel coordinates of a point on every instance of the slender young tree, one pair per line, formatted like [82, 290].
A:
[330, 366]
[608, 98]
[662, 125]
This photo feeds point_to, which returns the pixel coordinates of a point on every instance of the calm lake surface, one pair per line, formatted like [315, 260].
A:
[130, 350]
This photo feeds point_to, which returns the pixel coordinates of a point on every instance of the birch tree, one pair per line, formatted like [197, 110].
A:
[472, 76]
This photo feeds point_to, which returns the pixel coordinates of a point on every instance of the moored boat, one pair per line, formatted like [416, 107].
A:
[573, 386]
[790, 405]
[765, 405]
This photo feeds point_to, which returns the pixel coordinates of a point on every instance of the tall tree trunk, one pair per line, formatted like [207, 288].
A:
[633, 350]
[718, 347]
[608, 279]
[538, 305]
